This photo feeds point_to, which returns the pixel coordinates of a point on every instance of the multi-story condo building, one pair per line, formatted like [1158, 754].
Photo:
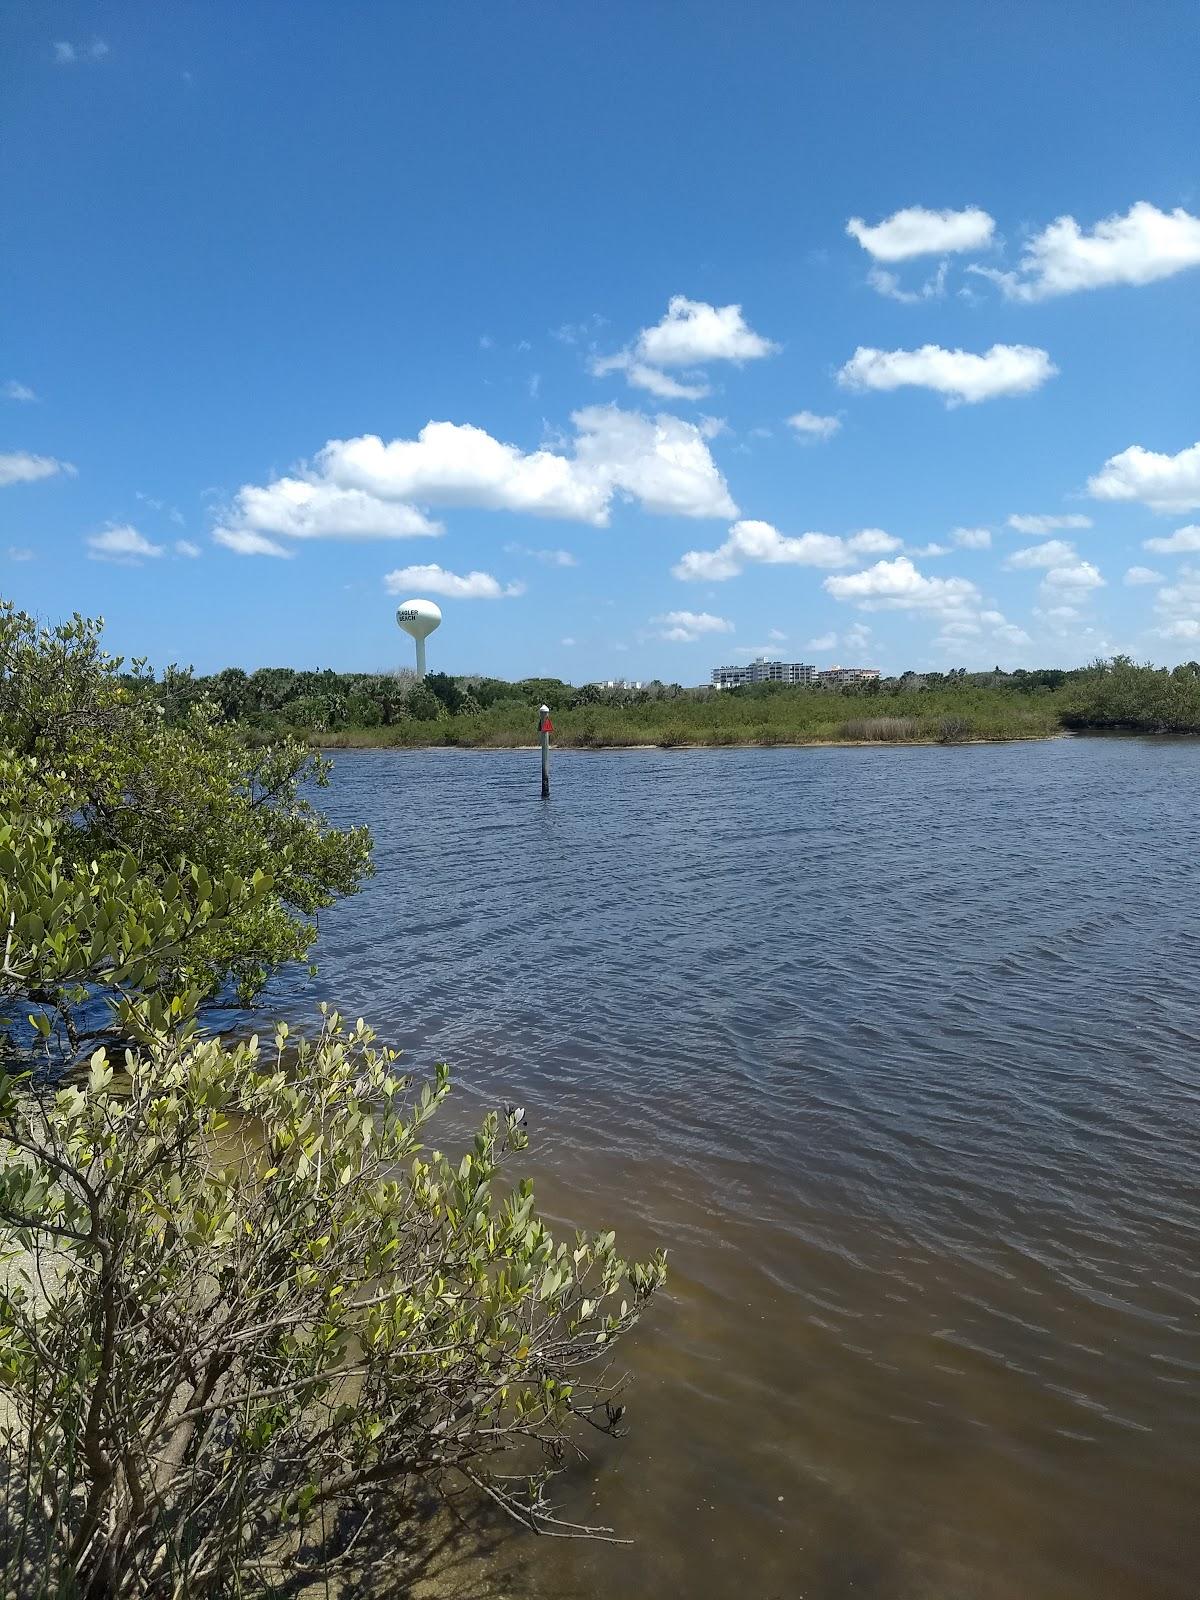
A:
[838, 675]
[763, 671]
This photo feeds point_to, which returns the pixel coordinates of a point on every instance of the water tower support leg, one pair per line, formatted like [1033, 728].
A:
[420, 659]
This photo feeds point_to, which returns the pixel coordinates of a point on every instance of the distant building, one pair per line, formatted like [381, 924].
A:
[832, 676]
[763, 671]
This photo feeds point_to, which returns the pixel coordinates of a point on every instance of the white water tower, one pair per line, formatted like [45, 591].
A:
[419, 618]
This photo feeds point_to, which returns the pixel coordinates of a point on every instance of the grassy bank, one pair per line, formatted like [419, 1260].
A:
[799, 717]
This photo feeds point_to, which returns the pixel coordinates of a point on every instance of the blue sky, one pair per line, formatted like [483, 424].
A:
[301, 297]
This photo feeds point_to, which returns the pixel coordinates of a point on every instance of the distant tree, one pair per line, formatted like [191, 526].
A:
[423, 704]
[447, 691]
[231, 690]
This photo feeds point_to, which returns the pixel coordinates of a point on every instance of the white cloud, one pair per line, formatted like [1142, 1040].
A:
[663, 461]
[66, 53]
[1184, 628]
[20, 467]
[1162, 482]
[436, 580]
[301, 508]
[973, 538]
[889, 286]
[980, 634]
[930, 549]
[185, 547]
[1056, 614]
[1184, 541]
[898, 586]
[916, 231]
[857, 636]
[824, 641]
[1141, 575]
[568, 641]
[691, 334]
[1054, 553]
[751, 541]
[810, 425]
[776, 635]
[245, 542]
[1140, 247]
[368, 489]
[122, 543]
[685, 627]
[1179, 602]
[451, 463]
[960, 375]
[548, 558]
[1080, 575]
[18, 391]
[871, 542]
[640, 376]
[1040, 525]
[17, 552]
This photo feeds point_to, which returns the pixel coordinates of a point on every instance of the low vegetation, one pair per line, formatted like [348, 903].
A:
[337, 709]
[244, 1308]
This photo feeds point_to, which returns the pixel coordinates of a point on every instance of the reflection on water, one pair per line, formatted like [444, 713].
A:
[897, 1051]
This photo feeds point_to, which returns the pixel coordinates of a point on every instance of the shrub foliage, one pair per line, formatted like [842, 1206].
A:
[250, 1305]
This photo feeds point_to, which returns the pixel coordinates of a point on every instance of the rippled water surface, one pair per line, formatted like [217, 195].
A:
[898, 1052]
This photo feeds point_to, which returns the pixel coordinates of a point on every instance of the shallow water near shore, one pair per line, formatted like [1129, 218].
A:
[897, 1051]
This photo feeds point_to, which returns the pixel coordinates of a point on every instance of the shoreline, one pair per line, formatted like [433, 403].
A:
[741, 744]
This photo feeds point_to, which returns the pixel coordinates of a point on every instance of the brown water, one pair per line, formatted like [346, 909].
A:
[898, 1052]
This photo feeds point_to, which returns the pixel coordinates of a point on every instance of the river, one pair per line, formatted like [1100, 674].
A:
[897, 1052]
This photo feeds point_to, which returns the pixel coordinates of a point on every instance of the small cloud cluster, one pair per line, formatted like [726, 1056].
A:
[20, 467]
[691, 335]
[548, 558]
[810, 425]
[436, 580]
[1178, 606]
[1051, 554]
[751, 542]
[685, 627]
[122, 543]
[1184, 541]
[963, 377]
[889, 286]
[1162, 482]
[18, 391]
[916, 231]
[1142, 246]
[1036, 526]
[67, 54]
[898, 585]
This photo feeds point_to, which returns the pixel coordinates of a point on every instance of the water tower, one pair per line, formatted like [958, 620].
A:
[419, 618]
